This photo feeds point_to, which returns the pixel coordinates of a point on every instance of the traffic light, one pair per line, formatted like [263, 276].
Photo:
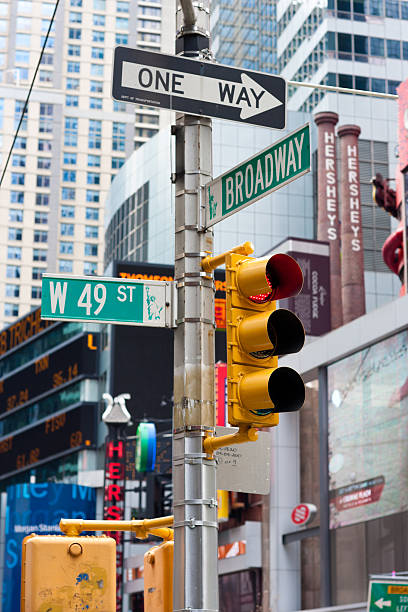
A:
[257, 334]
[158, 577]
[68, 573]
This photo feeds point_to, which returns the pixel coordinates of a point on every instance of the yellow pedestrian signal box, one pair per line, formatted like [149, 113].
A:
[68, 573]
[158, 578]
[257, 333]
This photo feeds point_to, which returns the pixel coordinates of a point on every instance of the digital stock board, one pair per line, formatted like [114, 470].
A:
[35, 423]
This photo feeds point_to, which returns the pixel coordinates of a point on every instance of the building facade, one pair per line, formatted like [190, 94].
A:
[73, 137]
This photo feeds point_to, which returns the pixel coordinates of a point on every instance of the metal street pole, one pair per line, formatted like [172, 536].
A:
[194, 483]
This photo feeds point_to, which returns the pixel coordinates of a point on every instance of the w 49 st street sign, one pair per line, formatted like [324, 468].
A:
[199, 88]
[107, 300]
[272, 168]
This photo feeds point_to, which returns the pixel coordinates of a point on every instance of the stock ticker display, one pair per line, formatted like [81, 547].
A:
[33, 429]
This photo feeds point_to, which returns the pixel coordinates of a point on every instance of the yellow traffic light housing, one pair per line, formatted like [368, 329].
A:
[257, 334]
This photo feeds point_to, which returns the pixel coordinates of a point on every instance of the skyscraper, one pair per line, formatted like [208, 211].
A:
[73, 137]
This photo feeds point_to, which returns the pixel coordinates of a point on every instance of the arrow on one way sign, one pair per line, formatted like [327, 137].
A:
[199, 88]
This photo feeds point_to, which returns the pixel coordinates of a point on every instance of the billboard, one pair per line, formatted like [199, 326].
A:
[368, 432]
[37, 508]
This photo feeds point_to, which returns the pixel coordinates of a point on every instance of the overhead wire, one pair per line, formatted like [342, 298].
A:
[29, 92]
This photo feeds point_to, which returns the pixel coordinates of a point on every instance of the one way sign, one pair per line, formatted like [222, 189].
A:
[198, 87]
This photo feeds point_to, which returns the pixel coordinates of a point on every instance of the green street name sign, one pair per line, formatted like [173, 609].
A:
[259, 175]
[388, 595]
[107, 300]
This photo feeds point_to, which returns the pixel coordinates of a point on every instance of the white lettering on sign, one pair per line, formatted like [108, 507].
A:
[248, 95]
[58, 295]
[122, 294]
[85, 299]
[354, 200]
[249, 183]
[331, 188]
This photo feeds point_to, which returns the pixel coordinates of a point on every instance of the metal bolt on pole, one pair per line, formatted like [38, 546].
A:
[194, 482]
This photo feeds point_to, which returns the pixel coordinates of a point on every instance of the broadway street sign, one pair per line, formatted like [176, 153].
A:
[107, 300]
[259, 175]
[389, 595]
[198, 87]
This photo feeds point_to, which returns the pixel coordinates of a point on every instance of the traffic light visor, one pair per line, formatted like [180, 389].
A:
[264, 280]
[286, 390]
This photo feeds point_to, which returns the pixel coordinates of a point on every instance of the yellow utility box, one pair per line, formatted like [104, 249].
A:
[63, 573]
[158, 578]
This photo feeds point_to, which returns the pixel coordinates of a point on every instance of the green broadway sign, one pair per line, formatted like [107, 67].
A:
[388, 595]
[107, 300]
[259, 175]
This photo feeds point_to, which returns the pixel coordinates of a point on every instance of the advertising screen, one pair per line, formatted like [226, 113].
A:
[368, 432]
[37, 508]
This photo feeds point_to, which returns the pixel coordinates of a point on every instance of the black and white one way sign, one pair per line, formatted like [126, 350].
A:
[199, 88]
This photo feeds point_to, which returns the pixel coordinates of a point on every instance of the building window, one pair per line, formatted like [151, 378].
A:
[89, 267]
[68, 193]
[74, 33]
[71, 131]
[15, 233]
[75, 17]
[95, 134]
[96, 86]
[394, 49]
[377, 46]
[45, 76]
[41, 218]
[94, 160]
[97, 70]
[70, 158]
[119, 106]
[66, 248]
[17, 197]
[72, 84]
[18, 109]
[117, 162]
[77, 3]
[74, 50]
[43, 180]
[17, 178]
[97, 53]
[42, 199]
[122, 23]
[39, 255]
[92, 214]
[16, 215]
[36, 293]
[99, 5]
[12, 291]
[98, 36]
[67, 229]
[122, 6]
[118, 136]
[19, 160]
[43, 163]
[68, 212]
[36, 273]
[91, 250]
[13, 271]
[92, 196]
[91, 231]
[95, 103]
[73, 67]
[65, 265]
[23, 40]
[40, 236]
[10, 310]
[121, 39]
[22, 57]
[21, 142]
[44, 145]
[93, 178]
[47, 59]
[99, 20]
[69, 176]
[13, 252]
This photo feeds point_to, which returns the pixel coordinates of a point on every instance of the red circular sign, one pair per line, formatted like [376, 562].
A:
[300, 514]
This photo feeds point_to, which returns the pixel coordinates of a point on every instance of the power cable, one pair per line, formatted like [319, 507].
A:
[29, 92]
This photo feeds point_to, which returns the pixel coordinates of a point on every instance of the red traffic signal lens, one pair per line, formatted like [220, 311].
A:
[284, 276]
